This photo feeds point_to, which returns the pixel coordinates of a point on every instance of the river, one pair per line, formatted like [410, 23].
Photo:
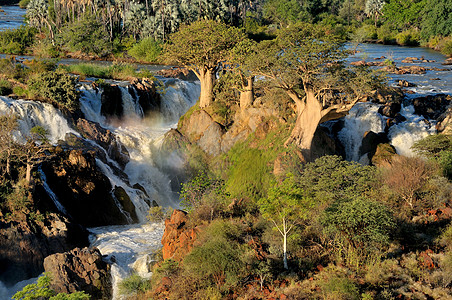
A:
[11, 16]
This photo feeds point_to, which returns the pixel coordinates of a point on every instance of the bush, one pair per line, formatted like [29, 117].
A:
[408, 38]
[446, 49]
[16, 41]
[57, 87]
[23, 3]
[146, 50]
[219, 259]
[407, 176]
[364, 224]
[331, 178]
[386, 34]
[45, 49]
[134, 284]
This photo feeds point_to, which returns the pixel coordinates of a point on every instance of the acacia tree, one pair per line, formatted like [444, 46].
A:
[306, 63]
[286, 207]
[202, 47]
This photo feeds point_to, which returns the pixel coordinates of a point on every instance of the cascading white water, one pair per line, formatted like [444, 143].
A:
[130, 105]
[31, 114]
[131, 245]
[361, 118]
[364, 117]
[49, 191]
[405, 134]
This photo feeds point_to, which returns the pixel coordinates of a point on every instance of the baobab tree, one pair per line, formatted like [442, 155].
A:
[202, 47]
[306, 63]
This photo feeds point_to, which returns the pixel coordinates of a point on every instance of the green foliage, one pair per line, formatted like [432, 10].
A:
[446, 49]
[23, 3]
[16, 41]
[408, 38]
[45, 49]
[436, 18]
[146, 50]
[39, 134]
[134, 284]
[219, 258]
[403, 14]
[339, 288]
[363, 223]
[386, 33]
[202, 44]
[330, 178]
[11, 68]
[159, 214]
[57, 87]
[87, 35]
[42, 291]
[438, 148]
[117, 70]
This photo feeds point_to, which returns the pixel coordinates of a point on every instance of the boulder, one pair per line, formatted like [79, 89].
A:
[370, 142]
[104, 138]
[410, 70]
[390, 109]
[25, 242]
[80, 270]
[383, 154]
[85, 191]
[444, 124]
[432, 106]
[404, 83]
[388, 95]
[145, 91]
[324, 144]
[177, 238]
[201, 129]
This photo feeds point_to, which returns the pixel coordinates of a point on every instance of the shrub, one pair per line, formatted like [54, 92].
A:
[407, 176]
[408, 38]
[16, 41]
[331, 178]
[23, 3]
[218, 259]
[11, 69]
[446, 49]
[134, 284]
[57, 87]
[146, 50]
[45, 49]
[363, 223]
[386, 34]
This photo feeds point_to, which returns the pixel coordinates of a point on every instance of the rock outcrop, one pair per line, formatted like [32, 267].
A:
[433, 106]
[212, 138]
[104, 138]
[85, 192]
[111, 100]
[25, 242]
[80, 270]
[177, 239]
[370, 143]
[444, 124]
[145, 91]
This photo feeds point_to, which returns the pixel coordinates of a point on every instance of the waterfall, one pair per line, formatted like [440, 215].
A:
[49, 191]
[405, 134]
[130, 104]
[361, 118]
[33, 113]
[364, 117]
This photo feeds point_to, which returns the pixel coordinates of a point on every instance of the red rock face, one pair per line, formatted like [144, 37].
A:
[177, 239]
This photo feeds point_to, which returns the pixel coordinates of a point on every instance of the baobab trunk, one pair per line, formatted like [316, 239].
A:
[28, 174]
[309, 115]
[247, 94]
[207, 79]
